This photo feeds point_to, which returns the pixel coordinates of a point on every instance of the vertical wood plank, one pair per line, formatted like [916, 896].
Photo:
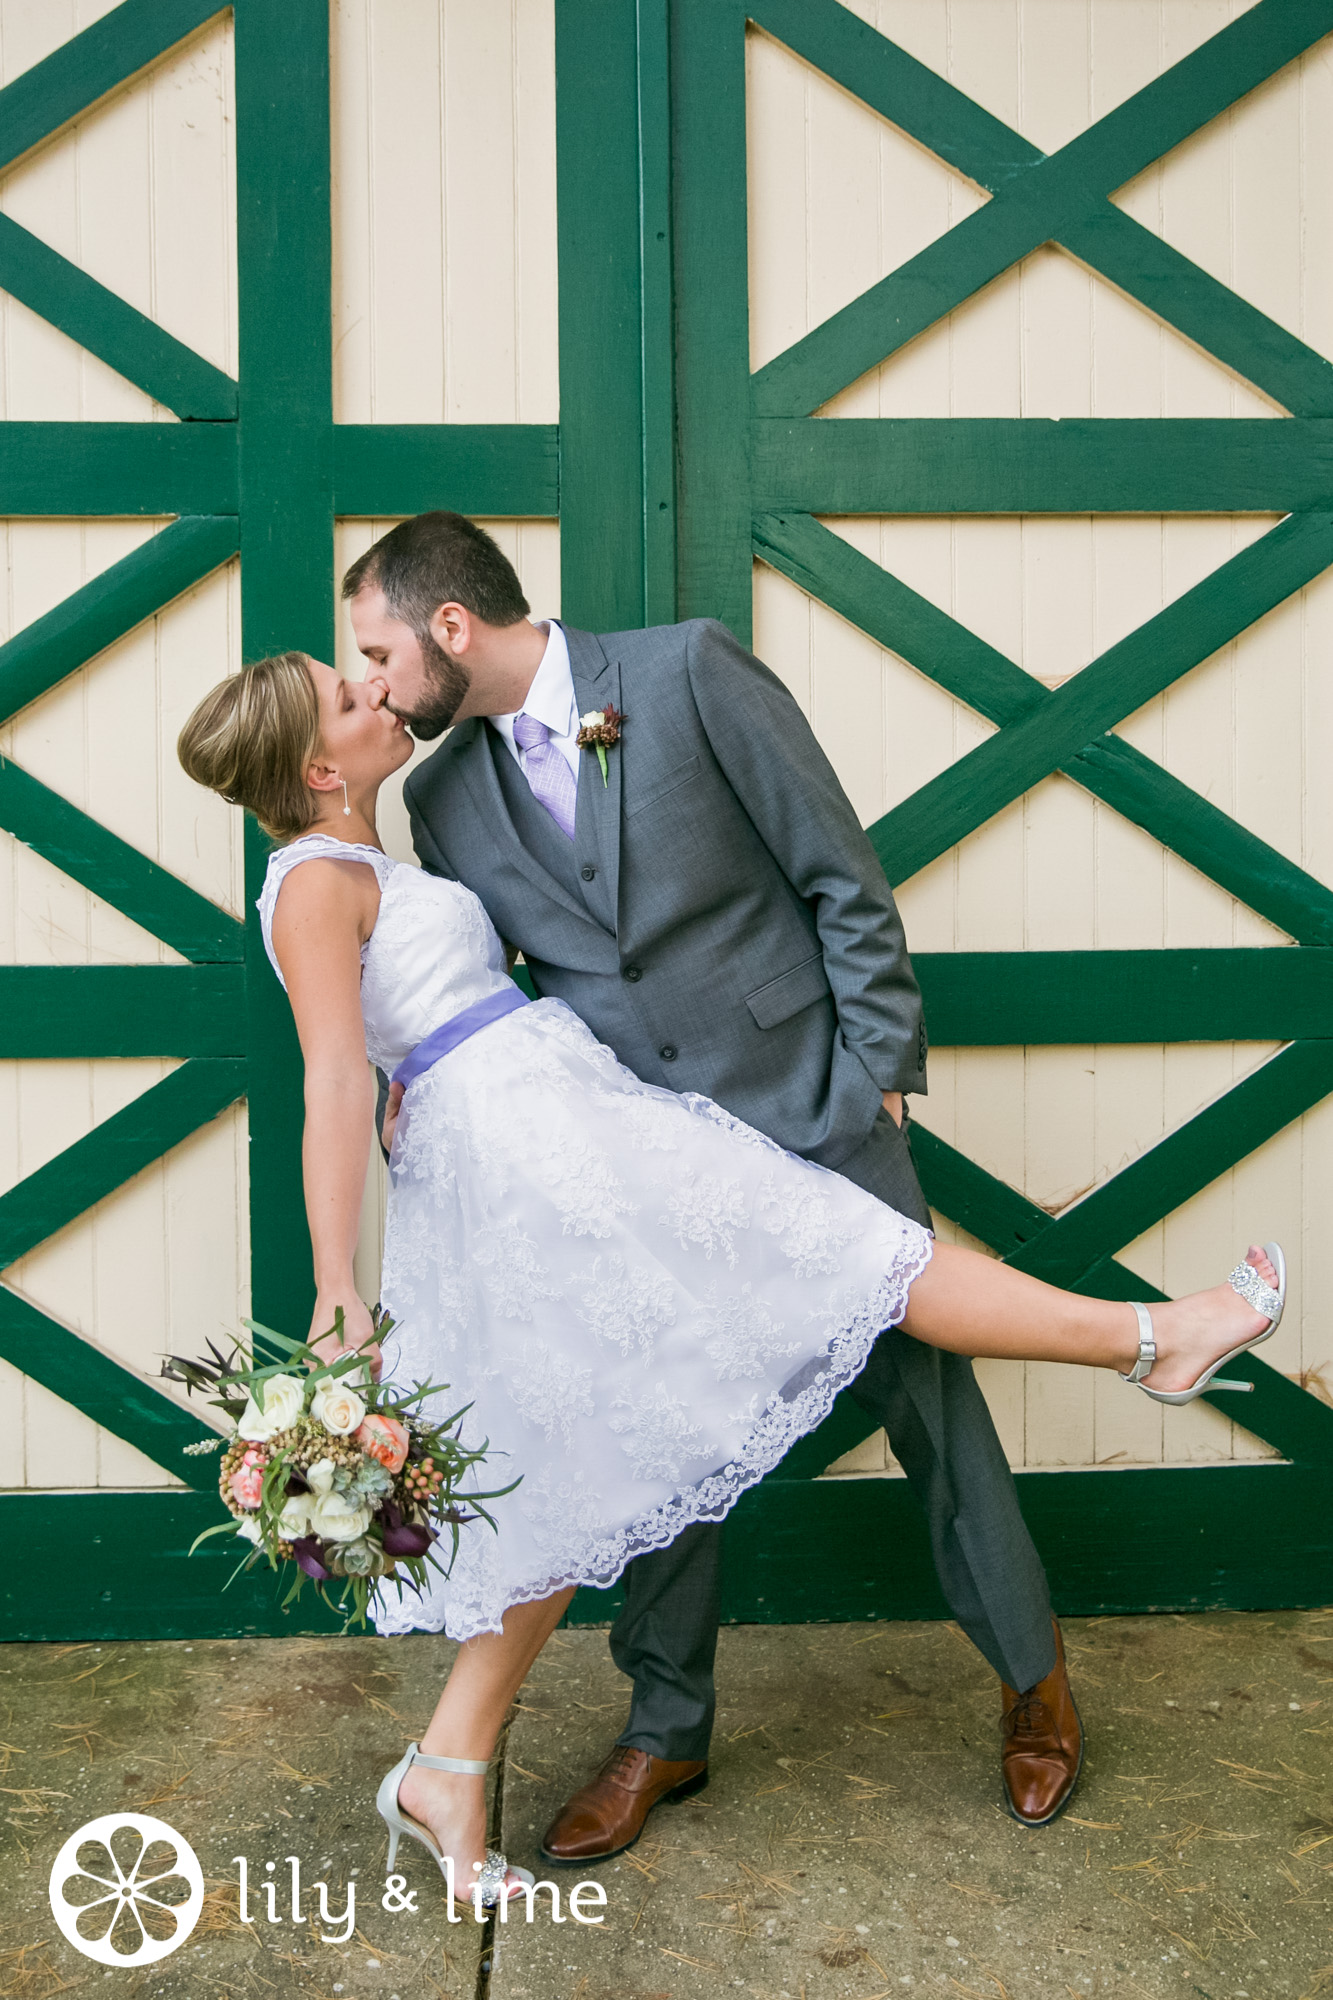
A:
[712, 314]
[284, 236]
[601, 479]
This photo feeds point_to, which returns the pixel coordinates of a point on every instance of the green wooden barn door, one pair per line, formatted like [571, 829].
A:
[255, 466]
[672, 467]
[756, 468]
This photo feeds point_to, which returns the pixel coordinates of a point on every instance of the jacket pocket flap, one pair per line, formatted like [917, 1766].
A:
[790, 992]
[667, 782]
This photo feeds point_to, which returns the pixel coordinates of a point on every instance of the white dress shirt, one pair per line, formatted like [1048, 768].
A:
[551, 701]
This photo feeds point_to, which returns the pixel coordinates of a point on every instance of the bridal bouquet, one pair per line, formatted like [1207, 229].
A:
[322, 1469]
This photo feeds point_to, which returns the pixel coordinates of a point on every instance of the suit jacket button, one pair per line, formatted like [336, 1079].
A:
[632, 972]
[668, 1054]
[587, 871]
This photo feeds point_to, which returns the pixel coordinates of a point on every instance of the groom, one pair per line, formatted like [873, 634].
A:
[712, 909]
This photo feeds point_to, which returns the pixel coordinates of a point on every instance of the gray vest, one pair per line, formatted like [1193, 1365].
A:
[574, 864]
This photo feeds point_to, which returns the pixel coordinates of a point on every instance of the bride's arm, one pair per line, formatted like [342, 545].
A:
[326, 911]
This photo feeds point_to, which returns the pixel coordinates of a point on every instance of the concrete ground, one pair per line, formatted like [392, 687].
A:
[851, 1845]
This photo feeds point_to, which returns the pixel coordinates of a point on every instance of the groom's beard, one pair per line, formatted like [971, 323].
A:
[447, 682]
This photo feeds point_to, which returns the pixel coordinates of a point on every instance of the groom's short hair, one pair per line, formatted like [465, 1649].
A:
[436, 559]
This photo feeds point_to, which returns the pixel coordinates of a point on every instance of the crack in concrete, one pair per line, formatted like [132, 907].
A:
[494, 1833]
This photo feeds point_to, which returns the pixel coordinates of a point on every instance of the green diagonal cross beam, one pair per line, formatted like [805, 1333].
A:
[1278, 1411]
[82, 848]
[956, 129]
[1123, 679]
[828, 568]
[103, 1389]
[68, 1186]
[91, 65]
[1179, 1166]
[107, 326]
[1202, 308]
[112, 604]
[115, 1151]
[1041, 201]
[912, 96]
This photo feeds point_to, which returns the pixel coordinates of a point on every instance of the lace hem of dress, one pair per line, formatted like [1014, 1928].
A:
[601, 1560]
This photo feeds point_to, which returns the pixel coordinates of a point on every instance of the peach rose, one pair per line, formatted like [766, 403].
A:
[247, 1484]
[386, 1439]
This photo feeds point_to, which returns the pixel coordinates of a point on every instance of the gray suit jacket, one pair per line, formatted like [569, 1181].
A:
[721, 920]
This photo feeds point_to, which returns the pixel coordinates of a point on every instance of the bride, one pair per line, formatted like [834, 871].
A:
[644, 1301]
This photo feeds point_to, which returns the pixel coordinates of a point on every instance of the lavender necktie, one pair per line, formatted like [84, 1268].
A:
[547, 773]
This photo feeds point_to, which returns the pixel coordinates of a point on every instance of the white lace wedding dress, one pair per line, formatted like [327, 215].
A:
[644, 1301]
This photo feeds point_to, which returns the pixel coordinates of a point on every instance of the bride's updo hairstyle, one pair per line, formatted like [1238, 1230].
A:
[253, 740]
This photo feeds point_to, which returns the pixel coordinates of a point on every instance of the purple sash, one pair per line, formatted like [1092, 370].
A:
[479, 1015]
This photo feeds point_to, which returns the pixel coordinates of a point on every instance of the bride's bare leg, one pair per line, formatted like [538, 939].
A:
[974, 1305]
[486, 1675]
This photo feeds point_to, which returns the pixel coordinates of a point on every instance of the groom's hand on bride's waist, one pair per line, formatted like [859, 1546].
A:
[392, 1105]
[893, 1104]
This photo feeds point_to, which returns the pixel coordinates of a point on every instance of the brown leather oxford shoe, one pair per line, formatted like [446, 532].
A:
[1042, 1752]
[607, 1815]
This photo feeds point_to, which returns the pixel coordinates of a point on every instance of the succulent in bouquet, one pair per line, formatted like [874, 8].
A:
[348, 1481]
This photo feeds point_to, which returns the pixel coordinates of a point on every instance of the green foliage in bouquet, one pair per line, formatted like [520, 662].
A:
[328, 1474]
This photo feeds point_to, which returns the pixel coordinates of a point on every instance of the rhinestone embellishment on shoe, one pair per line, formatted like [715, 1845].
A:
[491, 1878]
[1246, 1281]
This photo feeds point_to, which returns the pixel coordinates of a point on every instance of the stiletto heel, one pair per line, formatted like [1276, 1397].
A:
[492, 1873]
[1248, 1285]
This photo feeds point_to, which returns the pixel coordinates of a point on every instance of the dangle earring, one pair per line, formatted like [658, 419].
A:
[347, 810]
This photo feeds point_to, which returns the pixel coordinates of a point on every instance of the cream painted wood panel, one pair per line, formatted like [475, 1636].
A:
[167, 1257]
[444, 211]
[139, 193]
[1250, 198]
[837, 199]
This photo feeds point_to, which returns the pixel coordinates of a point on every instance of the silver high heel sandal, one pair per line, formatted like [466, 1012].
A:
[1245, 1281]
[493, 1871]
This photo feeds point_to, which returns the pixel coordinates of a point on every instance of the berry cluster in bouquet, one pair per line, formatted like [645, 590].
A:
[348, 1481]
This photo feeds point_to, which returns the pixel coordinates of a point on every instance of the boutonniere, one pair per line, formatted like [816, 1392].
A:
[599, 730]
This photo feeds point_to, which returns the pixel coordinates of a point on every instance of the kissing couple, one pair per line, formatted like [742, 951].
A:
[650, 1224]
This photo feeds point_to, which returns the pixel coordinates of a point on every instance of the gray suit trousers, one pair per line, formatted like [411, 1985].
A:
[942, 1434]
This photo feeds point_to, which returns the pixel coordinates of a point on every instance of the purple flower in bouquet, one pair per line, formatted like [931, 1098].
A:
[307, 1550]
[403, 1538]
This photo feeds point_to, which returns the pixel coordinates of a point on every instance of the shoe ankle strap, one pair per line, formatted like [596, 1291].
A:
[1147, 1346]
[466, 1765]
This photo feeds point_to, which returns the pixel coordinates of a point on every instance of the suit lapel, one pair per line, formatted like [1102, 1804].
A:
[597, 682]
[476, 766]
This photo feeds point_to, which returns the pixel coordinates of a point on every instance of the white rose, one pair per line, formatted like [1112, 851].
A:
[284, 1400]
[592, 719]
[338, 1408]
[294, 1520]
[334, 1519]
[248, 1529]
